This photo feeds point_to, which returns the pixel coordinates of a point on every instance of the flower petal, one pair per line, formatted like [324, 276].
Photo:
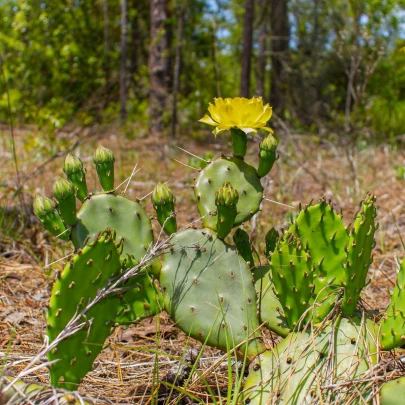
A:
[208, 120]
[268, 129]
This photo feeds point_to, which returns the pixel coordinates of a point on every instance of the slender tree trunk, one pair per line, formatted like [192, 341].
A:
[135, 41]
[158, 48]
[261, 56]
[280, 38]
[106, 41]
[247, 48]
[215, 56]
[123, 71]
[177, 68]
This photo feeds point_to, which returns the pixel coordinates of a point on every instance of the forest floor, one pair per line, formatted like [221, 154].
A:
[308, 168]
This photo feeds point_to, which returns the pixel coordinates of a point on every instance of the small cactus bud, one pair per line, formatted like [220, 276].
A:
[73, 168]
[45, 210]
[43, 206]
[163, 201]
[268, 149]
[72, 165]
[268, 144]
[103, 155]
[63, 189]
[227, 195]
[162, 195]
[104, 161]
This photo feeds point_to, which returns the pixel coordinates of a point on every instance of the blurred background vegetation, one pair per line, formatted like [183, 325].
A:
[152, 66]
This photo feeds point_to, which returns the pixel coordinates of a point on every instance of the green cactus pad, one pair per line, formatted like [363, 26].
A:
[270, 309]
[243, 178]
[359, 248]
[242, 243]
[392, 331]
[322, 232]
[83, 276]
[209, 293]
[294, 371]
[142, 301]
[127, 218]
[239, 142]
[392, 391]
[293, 278]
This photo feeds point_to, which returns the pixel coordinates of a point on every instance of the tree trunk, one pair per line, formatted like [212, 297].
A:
[247, 48]
[123, 71]
[157, 55]
[177, 68]
[106, 41]
[261, 56]
[280, 38]
[135, 41]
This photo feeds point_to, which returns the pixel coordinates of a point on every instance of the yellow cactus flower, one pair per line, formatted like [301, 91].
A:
[249, 115]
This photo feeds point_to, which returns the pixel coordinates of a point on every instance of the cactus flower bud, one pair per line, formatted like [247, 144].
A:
[43, 206]
[72, 164]
[162, 195]
[73, 168]
[104, 161]
[226, 199]
[268, 150]
[64, 191]
[45, 210]
[163, 201]
[103, 155]
[227, 195]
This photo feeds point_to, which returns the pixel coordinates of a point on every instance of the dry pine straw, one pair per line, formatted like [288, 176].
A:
[123, 373]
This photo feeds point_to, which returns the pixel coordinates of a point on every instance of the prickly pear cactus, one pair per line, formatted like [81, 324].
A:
[76, 286]
[243, 178]
[359, 249]
[296, 369]
[320, 232]
[392, 331]
[209, 293]
[269, 307]
[271, 239]
[293, 279]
